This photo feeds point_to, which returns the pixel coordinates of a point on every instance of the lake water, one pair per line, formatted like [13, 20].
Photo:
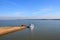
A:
[43, 30]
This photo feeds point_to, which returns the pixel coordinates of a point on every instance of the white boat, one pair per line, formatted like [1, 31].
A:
[31, 27]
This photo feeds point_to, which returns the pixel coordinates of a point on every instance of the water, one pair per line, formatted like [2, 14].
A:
[43, 30]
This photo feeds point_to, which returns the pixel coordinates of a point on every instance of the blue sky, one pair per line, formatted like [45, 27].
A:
[30, 9]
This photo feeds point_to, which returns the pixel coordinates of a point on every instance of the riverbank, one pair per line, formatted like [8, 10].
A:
[9, 29]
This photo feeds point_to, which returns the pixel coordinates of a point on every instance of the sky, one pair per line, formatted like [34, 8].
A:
[29, 9]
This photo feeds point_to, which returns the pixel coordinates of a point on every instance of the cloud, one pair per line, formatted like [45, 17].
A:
[14, 15]
[48, 16]
[46, 13]
[45, 9]
[42, 11]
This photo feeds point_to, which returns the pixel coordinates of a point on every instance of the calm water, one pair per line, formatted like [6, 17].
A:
[44, 30]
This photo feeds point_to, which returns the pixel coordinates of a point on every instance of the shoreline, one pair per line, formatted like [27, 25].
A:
[10, 29]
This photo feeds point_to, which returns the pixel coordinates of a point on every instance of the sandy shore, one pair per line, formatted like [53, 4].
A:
[5, 30]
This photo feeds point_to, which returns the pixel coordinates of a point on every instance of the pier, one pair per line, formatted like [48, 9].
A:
[9, 29]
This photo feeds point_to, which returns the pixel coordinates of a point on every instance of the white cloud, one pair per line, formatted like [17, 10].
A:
[49, 16]
[15, 15]
[46, 13]
[44, 10]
